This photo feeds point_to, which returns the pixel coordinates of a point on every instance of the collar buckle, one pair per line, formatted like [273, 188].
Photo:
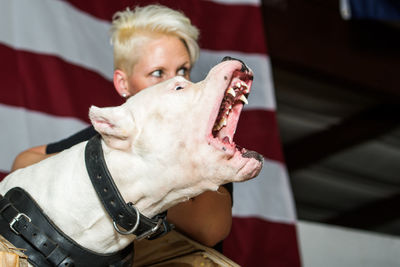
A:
[16, 219]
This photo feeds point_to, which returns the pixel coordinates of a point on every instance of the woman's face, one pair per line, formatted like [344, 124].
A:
[161, 59]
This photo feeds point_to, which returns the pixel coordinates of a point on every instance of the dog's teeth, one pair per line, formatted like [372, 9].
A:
[238, 84]
[246, 87]
[244, 84]
[244, 99]
[223, 121]
[230, 107]
[218, 126]
[231, 92]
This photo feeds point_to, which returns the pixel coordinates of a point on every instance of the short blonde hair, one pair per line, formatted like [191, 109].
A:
[130, 28]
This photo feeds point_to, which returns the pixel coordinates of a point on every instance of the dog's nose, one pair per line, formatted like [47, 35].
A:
[244, 67]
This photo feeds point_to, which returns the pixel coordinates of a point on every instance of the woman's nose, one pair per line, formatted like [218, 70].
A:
[169, 75]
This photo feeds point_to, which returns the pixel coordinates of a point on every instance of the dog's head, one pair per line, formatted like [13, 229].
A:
[178, 135]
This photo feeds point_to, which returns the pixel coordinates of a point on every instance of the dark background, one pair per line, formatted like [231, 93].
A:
[338, 107]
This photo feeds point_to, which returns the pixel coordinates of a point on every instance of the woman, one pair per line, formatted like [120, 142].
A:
[152, 44]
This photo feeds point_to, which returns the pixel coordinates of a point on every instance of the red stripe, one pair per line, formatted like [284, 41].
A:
[255, 242]
[222, 27]
[2, 175]
[258, 130]
[48, 84]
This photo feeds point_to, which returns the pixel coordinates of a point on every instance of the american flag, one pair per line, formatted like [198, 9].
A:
[56, 61]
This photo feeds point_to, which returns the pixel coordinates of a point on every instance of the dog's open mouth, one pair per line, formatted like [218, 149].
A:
[229, 111]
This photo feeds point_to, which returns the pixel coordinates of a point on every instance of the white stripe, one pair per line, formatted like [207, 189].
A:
[262, 94]
[332, 246]
[56, 28]
[22, 129]
[267, 196]
[238, 2]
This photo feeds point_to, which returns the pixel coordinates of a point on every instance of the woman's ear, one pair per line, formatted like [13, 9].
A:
[121, 83]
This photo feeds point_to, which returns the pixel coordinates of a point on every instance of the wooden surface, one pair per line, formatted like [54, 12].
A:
[175, 249]
[11, 256]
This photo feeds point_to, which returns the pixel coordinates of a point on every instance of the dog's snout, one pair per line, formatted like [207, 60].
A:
[226, 58]
[244, 67]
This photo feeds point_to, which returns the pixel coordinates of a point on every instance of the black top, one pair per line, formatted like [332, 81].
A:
[83, 135]
[88, 133]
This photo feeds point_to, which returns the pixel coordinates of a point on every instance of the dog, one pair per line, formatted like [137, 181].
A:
[164, 145]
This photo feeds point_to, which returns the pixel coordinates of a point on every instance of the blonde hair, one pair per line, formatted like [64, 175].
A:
[130, 28]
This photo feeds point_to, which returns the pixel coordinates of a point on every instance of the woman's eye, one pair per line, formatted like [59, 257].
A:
[179, 87]
[182, 72]
[157, 73]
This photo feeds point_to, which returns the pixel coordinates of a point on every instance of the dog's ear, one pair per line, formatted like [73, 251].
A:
[115, 124]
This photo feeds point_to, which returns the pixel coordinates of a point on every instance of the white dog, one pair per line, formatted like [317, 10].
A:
[166, 144]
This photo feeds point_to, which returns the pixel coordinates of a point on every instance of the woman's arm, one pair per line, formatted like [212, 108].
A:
[206, 218]
[29, 157]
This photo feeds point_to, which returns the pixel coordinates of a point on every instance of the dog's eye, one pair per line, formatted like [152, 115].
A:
[179, 87]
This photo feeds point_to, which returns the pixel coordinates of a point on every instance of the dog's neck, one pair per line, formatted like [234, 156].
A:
[139, 181]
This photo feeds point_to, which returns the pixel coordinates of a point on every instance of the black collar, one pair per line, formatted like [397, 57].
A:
[124, 215]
